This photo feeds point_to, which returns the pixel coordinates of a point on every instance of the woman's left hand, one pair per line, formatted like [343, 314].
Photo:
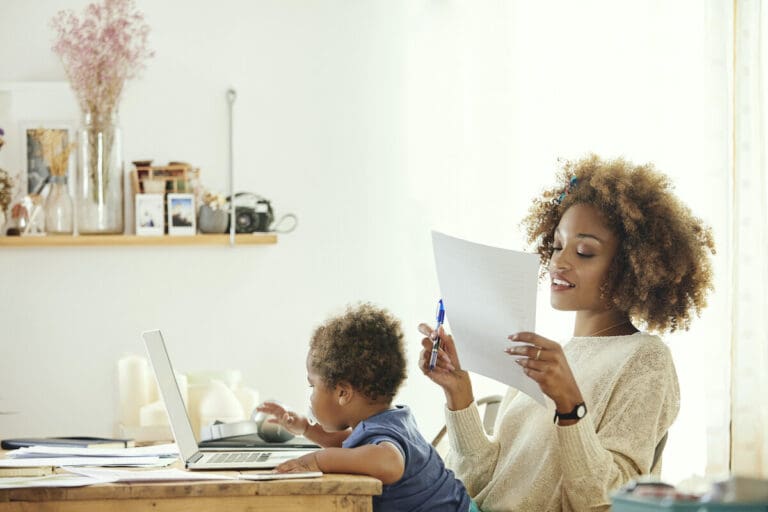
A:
[545, 363]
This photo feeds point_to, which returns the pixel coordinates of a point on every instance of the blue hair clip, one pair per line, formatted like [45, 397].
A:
[571, 183]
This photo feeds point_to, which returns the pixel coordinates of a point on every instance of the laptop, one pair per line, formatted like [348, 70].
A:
[194, 457]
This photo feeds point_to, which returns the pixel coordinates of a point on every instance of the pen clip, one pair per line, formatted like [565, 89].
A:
[440, 315]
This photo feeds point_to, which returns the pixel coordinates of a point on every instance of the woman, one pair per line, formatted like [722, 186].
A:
[621, 251]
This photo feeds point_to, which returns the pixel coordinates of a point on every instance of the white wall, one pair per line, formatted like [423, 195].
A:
[374, 121]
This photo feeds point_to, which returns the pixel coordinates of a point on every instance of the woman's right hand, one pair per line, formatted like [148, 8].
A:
[290, 420]
[447, 372]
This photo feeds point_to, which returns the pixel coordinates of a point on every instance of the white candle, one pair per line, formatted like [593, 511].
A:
[132, 376]
[249, 399]
[153, 414]
[194, 394]
[218, 402]
[181, 380]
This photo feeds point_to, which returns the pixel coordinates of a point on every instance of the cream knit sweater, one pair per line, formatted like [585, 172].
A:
[630, 387]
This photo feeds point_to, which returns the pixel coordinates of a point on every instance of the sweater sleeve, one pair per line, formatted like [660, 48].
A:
[473, 455]
[598, 459]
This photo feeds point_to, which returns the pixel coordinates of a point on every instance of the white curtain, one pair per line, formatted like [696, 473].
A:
[750, 243]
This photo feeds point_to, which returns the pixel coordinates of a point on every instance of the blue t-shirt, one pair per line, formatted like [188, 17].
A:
[426, 484]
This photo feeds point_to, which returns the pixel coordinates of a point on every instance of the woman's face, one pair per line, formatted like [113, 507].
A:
[324, 402]
[584, 248]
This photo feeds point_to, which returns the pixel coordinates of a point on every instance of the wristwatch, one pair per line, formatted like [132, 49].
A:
[577, 413]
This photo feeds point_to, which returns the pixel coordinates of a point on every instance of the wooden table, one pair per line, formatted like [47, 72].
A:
[348, 493]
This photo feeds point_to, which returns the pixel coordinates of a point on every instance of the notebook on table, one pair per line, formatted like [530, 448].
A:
[194, 457]
[77, 442]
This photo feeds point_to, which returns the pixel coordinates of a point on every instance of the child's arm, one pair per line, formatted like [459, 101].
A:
[299, 425]
[316, 434]
[383, 461]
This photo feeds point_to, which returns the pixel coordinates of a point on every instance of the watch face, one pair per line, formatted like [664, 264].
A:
[581, 411]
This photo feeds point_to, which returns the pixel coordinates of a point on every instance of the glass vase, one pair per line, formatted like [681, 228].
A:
[100, 175]
[58, 208]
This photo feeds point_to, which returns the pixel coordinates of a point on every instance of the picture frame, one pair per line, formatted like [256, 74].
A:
[36, 169]
[30, 105]
[181, 214]
[150, 214]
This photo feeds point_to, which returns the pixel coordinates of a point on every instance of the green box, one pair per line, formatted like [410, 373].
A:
[627, 503]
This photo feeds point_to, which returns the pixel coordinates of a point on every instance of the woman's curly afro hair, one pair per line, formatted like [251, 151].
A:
[363, 347]
[662, 272]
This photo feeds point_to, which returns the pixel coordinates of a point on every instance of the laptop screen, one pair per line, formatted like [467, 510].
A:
[169, 391]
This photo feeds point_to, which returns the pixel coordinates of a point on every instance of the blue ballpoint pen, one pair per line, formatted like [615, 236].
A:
[436, 343]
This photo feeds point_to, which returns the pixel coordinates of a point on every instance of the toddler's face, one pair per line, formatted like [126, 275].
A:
[324, 403]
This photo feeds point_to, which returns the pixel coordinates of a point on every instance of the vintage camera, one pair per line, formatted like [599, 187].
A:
[252, 213]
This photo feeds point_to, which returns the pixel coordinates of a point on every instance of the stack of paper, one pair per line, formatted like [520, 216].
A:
[145, 456]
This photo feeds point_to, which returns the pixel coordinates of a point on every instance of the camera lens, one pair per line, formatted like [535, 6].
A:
[244, 220]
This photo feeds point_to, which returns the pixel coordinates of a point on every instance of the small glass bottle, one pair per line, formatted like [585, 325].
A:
[58, 208]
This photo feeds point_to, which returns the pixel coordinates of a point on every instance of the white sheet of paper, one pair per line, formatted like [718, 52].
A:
[279, 476]
[160, 450]
[153, 475]
[86, 461]
[488, 293]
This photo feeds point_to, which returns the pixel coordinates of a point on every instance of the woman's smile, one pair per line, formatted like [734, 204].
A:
[560, 284]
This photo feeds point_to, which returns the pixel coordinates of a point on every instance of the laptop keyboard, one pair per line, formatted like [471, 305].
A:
[240, 457]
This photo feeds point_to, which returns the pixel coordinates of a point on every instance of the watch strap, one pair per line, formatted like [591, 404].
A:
[578, 412]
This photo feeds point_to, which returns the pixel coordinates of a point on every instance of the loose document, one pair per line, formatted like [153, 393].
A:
[489, 293]
[145, 456]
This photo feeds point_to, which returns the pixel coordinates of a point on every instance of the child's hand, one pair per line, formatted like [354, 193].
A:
[292, 421]
[306, 462]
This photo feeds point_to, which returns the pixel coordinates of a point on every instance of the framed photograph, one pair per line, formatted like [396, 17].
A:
[181, 214]
[44, 143]
[26, 106]
[150, 217]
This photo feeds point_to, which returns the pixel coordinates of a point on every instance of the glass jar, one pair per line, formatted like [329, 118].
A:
[58, 207]
[100, 175]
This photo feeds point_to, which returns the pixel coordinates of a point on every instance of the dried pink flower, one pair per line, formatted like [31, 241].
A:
[100, 51]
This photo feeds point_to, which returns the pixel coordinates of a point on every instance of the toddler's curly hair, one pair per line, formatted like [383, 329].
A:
[363, 347]
[661, 272]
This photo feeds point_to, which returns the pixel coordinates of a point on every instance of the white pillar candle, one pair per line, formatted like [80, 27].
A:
[218, 402]
[194, 394]
[132, 376]
[153, 392]
[249, 399]
[153, 414]
[181, 380]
